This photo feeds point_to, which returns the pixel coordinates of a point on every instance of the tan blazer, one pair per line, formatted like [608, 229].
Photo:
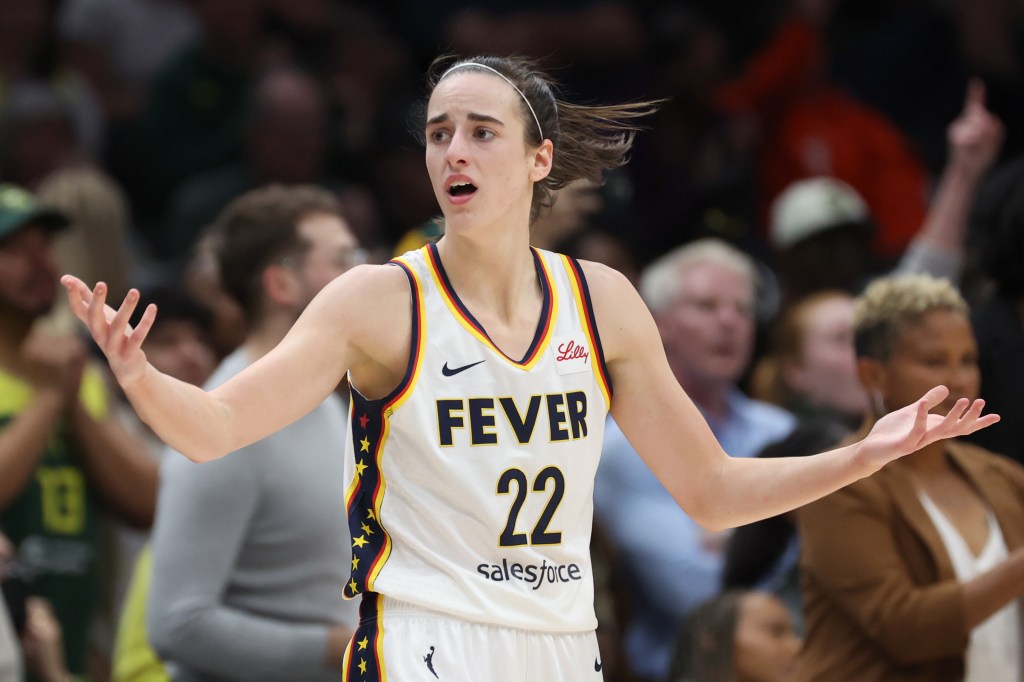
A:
[881, 600]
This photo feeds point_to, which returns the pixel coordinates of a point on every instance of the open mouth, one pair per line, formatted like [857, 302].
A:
[461, 189]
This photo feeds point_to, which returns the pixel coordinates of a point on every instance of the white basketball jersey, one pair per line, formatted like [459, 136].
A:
[472, 482]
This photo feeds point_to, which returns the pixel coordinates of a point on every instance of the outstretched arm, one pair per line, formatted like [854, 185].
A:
[282, 386]
[716, 490]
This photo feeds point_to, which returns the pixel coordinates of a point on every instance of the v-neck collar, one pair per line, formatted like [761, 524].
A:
[461, 313]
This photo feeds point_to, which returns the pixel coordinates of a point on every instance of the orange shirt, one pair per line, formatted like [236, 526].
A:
[811, 128]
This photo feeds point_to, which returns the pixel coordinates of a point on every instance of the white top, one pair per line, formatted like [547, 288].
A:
[472, 483]
[994, 651]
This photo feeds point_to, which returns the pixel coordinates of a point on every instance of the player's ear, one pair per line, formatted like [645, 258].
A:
[541, 161]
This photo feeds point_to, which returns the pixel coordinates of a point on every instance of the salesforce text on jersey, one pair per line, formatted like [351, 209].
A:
[531, 574]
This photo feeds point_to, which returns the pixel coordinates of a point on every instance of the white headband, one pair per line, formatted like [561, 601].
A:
[505, 78]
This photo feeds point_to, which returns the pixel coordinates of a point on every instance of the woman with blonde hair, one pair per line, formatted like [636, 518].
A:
[916, 573]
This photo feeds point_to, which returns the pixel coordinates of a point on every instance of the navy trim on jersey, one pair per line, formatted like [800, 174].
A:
[414, 339]
[364, 652]
[370, 542]
[369, 539]
[589, 306]
[542, 323]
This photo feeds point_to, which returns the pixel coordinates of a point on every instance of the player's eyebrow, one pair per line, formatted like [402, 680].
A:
[442, 118]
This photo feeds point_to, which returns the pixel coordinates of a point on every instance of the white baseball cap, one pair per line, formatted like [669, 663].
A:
[808, 207]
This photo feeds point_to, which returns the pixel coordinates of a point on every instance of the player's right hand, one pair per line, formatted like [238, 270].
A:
[121, 344]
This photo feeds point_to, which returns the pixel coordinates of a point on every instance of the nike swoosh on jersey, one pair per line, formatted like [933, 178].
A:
[450, 372]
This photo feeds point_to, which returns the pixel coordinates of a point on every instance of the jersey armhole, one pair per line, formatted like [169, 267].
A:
[582, 293]
[416, 341]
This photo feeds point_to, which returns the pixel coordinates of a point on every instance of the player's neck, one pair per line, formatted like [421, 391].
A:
[497, 276]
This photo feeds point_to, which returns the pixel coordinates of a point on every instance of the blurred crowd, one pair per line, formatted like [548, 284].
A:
[825, 216]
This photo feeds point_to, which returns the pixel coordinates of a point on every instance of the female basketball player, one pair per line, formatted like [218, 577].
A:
[481, 372]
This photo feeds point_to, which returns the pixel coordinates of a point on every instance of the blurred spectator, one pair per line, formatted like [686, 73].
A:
[363, 68]
[10, 648]
[916, 572]
[285, 140]
[988, 40]
[573, 206]
[811, 369]
[201, 280]
[702, 298]
[34, 82]
[249, 552]
[120, 46]
[368, 83]
[821, 230]
[430, 231]
[821, 227]
[602, 246]
[194, 113]
[63, 457]
[301, 31]
[738, 636]
[33, 639]
[38, 135]
[178, 344]
[763, 555]
[999, 316]
[905, 60]
[809, 127]
[588, 34]
[134, 659]
[691, 175]
[910, 61]
[96, 242]
[42, 643]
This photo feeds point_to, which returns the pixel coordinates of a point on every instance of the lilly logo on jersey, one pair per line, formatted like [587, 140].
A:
[570, 350]
[571, 356]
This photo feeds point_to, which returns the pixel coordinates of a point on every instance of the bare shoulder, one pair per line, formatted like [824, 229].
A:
[608, 287]
[601, 275]
[620, 311]
[370, 307]
[366, 297]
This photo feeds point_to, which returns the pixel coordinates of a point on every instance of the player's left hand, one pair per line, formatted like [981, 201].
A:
[913, 427]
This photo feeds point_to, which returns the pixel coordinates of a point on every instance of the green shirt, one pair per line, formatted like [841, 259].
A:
[53, 521]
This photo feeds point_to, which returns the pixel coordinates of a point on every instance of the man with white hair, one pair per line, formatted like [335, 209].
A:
[702, 297]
